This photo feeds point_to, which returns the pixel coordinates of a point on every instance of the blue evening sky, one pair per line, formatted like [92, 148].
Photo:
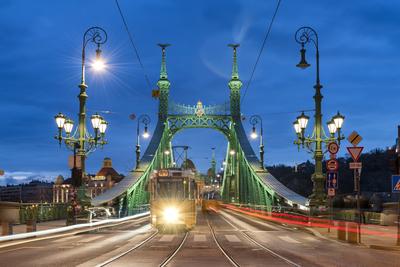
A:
[40, 44]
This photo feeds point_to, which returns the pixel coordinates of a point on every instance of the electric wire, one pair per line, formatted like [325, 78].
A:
[261, 49]
[133, 45]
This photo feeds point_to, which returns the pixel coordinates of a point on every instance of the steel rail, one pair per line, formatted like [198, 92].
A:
[171, 256]
[248, 237]
[128, 251]
[231, 260]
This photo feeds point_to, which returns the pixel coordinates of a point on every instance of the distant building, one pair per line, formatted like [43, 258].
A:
[105, 179]
[61, 190]
[34, 192]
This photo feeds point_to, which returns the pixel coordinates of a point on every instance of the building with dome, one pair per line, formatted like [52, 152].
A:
[61, 190]
[105, 179]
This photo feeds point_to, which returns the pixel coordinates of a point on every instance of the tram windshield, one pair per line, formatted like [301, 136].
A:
[173, 188]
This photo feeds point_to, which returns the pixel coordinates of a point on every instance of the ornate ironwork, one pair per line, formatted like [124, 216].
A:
[179, 122]
[182, 109]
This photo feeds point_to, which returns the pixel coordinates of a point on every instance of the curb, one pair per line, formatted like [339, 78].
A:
[45, 234]
[391, 248]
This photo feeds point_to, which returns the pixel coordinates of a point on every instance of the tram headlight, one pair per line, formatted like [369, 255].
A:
[171, 214]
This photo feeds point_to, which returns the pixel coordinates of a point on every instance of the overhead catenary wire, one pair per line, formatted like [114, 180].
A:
[261, 49]
[133, 45]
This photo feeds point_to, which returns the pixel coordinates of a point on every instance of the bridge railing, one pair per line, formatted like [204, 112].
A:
[41, 212]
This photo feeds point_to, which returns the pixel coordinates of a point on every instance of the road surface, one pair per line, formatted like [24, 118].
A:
[221, 239]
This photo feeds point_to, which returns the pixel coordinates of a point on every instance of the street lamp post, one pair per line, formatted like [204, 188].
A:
[303, 36]
[254, 120]
[81, 142]
[145, 120]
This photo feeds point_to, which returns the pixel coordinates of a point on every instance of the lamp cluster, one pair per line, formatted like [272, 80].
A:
[334, 126]
[99, 125]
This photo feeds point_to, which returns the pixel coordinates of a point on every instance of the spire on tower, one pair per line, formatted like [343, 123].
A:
[235, 70]
[163, 71]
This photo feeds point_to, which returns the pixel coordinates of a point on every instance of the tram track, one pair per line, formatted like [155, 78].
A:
[226, 254]
[149, 239]
[266, 249]
[172, 255]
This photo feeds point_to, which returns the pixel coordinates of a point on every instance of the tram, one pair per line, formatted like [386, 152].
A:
[173, 198]
[211, 198]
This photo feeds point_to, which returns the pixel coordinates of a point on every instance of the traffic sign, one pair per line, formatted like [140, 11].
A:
[331, 192]
[354, 138]
[355, 152]
[333, 147]
[355, 165]
[332, 165]
[332, 180]
[395, 183]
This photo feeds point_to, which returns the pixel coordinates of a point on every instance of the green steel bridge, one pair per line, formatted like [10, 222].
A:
[245, 181]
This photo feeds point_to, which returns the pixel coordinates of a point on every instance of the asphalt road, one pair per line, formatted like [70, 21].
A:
[224, 239]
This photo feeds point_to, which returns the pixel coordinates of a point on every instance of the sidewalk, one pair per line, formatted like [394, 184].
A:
[21, 228]
[373, 236]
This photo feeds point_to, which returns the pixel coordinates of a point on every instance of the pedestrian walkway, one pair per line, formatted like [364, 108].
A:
[21, 228]
[374, 236]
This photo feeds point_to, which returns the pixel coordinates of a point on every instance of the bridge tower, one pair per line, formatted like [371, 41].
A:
[244, 180]
[163, 85]
[234, 85]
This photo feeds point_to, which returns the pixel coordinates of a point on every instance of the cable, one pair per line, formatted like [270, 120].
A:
[134, 46]
[261, 50]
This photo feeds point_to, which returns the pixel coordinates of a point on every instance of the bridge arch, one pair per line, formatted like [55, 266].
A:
[245, 181]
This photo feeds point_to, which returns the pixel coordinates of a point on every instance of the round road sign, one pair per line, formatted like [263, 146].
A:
[333, 147]
[332, 165]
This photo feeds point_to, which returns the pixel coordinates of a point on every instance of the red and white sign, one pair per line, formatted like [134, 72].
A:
[355, 165]
[331, 192]
[332, 165]
[333, 147]
[355, 152]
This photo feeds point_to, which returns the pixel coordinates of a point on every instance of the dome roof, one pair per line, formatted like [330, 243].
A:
[59, 180]
[189, 163]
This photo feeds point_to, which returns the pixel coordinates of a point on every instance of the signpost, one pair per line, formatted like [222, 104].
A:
[332, 166]
[355, 152]
[355, 165]
[333, 148]
[332, 180]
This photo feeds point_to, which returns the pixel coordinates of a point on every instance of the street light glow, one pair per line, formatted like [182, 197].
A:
[68, 126]
[232, 152]
[60, 120]
[146, 133]
[103, 126]
[254, 134]
[98, 64]
[297, 127]
[303, 120]
[96, 120]
[331, 127]
[338, 119]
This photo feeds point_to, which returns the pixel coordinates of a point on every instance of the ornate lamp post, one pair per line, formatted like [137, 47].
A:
[145, 120]
[303, 36]
[254, 120]
[81, 141]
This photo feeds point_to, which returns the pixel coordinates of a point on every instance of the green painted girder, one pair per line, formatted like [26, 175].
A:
[245, 181]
